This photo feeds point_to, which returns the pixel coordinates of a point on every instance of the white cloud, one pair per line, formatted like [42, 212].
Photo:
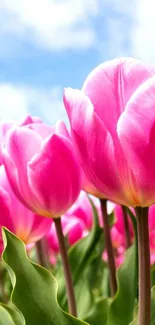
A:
[143, 36]
[116, 28]
[12, 103]
[51, 24]
[18, 101]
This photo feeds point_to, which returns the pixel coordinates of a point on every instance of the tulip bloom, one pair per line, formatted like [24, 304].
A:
[42, 168]
[89, 188]
[113, 126]
[6, 126]
[120, 225]
[152, 232]
[28, 226]
[82, 210]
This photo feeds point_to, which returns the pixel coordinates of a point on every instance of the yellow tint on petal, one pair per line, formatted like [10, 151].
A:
[93, 191]
[45, 213]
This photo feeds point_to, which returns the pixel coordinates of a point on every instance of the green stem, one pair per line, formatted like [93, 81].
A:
[4, 296]
[126, 227]
[109, 247]
[144, 314]
[42, 253]
[66, 267]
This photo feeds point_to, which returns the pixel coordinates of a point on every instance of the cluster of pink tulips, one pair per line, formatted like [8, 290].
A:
[47, 172]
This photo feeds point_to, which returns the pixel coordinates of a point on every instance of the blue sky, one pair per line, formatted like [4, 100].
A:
[47, 45]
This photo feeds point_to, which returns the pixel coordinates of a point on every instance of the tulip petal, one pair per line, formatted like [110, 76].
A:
[21, 144]
[30, 119]
[5, 208]
[40, 128]
[60, 129]
[94, 145]
[152, 218]
[14, 216]
[136, 131]
[82, 210]
[12, 174]
[45, 131]
[111, 85]
[54, 174]
[38, 227]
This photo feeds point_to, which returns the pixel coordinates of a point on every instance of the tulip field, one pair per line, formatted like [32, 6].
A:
[77, 206]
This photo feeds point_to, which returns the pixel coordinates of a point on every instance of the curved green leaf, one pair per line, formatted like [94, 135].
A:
[34, 288]
[10, 315]
[81, 253]
[122, 306]
[84, 297]
[90, 286]
[99, 313]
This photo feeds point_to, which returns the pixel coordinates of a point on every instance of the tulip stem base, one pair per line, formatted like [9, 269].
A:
[109, 247]
[66, 267]
[126, 227]
[144, 314]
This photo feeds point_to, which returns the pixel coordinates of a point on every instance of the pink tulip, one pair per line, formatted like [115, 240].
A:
[52, 240]
[152, 232]
[6, 126]
[113, 127]
[30, 119]
[74, 228]
[82, 210]
[89, 187]
[152, 218]
[42, 168]
[22, 222]
[120, 225]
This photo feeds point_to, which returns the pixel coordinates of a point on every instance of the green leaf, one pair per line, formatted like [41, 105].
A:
[10, 315]
[135, 322]
[34, 288]
[84, 297]
[99, 313]
[90, 286]
[96, 276]
[81, 253]
[122, 306]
